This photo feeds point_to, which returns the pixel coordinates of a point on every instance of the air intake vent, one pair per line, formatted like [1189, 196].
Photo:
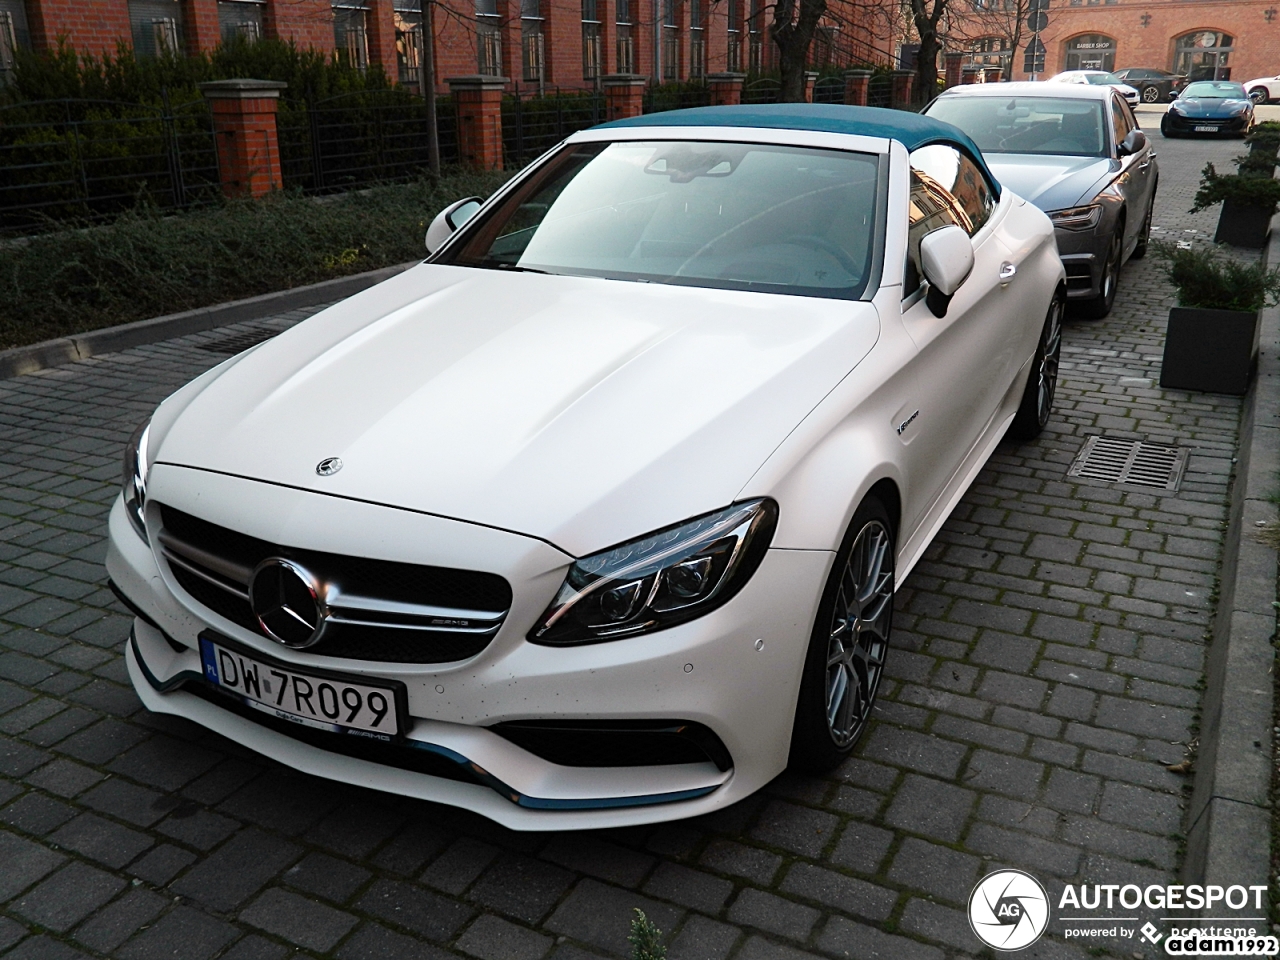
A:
[1132, 462]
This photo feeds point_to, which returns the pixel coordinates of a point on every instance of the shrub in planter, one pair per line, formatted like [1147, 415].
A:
[1212, 338]
[1264, 138]
[1248, 201]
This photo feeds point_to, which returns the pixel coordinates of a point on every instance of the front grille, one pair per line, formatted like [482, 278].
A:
[617, 743]
[381, 610]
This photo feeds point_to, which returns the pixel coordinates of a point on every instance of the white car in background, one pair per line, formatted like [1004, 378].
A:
[1098, 77]
[1263, 90]
[595, 518]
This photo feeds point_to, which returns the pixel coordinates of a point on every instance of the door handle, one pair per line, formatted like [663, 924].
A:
[1007, 270]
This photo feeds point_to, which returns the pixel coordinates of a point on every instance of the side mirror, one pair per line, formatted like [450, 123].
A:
[1131, 144]
[946, 259]
[448, 221]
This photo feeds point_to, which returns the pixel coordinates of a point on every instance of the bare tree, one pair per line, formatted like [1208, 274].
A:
[925, 17]
[792, 29]
[1003, 20]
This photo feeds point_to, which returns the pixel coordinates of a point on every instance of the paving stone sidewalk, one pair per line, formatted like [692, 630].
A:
[1047, 669]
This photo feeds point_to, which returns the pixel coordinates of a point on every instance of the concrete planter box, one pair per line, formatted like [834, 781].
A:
[1243, 224]
[1212, 351]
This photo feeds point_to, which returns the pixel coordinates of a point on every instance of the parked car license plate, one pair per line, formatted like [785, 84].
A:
[323, 700]
[1206, 129]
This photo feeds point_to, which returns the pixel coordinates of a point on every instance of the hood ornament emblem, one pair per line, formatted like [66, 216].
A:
[329, 466]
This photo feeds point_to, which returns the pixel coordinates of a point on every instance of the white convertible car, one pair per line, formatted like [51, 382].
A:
[595, 517]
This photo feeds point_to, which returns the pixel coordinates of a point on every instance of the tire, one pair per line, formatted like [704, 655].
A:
[1150, 94]
[1260, 95]
[849, 644]
[1042, 383]
[1166, 131]
[1096, 308]
[1144, 235]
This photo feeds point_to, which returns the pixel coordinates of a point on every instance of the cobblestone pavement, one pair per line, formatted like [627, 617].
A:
[1047, 669]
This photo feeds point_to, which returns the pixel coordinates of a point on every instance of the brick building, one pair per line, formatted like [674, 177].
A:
[1236, 38]
[539, 43]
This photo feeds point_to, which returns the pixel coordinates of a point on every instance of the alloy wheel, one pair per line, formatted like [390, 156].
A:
[1050, 356]
[1150, 94]
[859, 636]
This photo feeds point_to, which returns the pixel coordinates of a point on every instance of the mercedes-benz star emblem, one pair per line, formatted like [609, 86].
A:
[329, 466]
[288, 602]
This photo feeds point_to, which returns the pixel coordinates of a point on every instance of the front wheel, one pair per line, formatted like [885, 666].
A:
[849, 644]
[1150, 94]
[1042, 383]
[1098, 307]
[1260, 95]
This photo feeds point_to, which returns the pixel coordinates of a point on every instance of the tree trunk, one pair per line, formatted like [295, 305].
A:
[926, 22]
[792, 30]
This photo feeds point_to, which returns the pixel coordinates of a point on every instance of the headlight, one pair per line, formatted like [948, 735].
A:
[660, 580]
[1174, 108]
[135, 478]
[1077, 218]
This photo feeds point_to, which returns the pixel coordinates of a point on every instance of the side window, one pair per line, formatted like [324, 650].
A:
[1120, 124]
[1130, 118]
[947, 188]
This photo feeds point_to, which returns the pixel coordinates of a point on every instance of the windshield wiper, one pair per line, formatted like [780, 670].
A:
[514, 267]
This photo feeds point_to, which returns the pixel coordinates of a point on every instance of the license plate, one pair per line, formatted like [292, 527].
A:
[318, 699]
[1206, 129]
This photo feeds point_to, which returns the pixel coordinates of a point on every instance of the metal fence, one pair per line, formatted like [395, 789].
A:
[829, 90]
[676, 96]
[880, 91]
[356, 139]
[764, 90]
[64, 159]
[531, 125]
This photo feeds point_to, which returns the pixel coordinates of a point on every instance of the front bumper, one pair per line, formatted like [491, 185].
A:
[1232, 126]
[1083, 254]
[708, 670]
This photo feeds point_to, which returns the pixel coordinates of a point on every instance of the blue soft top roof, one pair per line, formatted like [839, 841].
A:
[911, 129]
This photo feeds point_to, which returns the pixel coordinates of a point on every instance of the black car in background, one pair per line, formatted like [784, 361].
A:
[1213, 107]
[1154, 86]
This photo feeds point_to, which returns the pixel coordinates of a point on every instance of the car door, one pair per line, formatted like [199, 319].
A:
[1136, 179]
[962, 365]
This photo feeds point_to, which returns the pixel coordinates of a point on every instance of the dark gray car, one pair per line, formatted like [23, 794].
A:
[1075, 152]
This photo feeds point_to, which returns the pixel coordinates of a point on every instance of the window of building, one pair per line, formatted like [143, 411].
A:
[733, 16]
[13, 35]
[351, 35]
[1203, 55]
[625, 22]
[1033, 57]
[408, 22]
[947, 188]
[533, 63]
[488, 39]
[590, 40]
[240, 20]
[157, 27]
[697, 40]
[1093, 51]
[989, 52]
[755, 37]
[670, 40]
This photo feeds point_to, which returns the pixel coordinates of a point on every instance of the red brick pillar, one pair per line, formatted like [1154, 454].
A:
[381, 22]
[855, 87]
[479, 101]
[971, 73]
[623, 95]
[810, 78]
[726, 88]
[900, 98]
[993, 74]
[244, 125]
[952, 62]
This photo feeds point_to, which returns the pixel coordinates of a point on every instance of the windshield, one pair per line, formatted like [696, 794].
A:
[1037, 125]
[1215, 90]
[731, 215]
[1102, 78]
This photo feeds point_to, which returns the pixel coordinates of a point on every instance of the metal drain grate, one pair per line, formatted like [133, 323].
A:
[238, 342]
[1130, 461]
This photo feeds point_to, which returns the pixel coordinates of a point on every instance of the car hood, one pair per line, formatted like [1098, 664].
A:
[578, 410]
[1052, 183]
[1208, 107]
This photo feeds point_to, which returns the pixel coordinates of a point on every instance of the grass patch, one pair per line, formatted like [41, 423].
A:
[147, 263]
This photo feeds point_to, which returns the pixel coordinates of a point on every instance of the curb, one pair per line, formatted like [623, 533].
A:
[1229, 833]
[51, 353]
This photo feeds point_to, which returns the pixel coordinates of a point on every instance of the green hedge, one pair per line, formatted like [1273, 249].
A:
[145, 264]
